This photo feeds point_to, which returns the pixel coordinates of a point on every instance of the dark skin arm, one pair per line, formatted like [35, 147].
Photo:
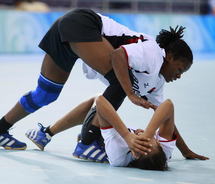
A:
[165, 131]
[120, 67]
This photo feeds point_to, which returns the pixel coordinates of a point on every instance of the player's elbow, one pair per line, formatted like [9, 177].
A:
[169, 105]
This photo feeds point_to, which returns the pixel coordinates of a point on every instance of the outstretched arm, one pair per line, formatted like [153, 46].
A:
[109, 117]
[163, 119]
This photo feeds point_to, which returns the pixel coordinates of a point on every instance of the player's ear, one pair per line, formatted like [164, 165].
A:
[168, 58]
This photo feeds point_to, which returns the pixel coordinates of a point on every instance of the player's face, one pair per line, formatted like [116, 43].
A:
[173, 69]
[155, 143]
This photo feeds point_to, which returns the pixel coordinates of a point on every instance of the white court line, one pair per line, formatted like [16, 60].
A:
[90, 174]
[184, 183]
[140, 179]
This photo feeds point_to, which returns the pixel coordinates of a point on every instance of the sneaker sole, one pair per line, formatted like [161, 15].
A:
[38, 145]
[9, 148]
[87, 159]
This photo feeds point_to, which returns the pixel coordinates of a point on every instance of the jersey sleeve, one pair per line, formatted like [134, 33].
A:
[116, 148]
[167, 145]
[90, 73]
[143, 56]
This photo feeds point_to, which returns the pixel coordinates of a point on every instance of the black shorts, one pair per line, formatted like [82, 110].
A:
[80, 25]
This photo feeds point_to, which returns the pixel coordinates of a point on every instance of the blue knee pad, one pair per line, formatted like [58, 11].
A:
[45, 93]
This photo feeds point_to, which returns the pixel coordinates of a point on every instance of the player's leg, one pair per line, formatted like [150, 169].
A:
[54, 78]
[46, 92]
[91, 134]
[90, 129]
[85, 38]
[95, 54]
[115, 95]
[42, 136]
[54, 73]
[73, 118]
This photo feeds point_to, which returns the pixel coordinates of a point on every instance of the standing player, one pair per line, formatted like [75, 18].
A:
[93, 38]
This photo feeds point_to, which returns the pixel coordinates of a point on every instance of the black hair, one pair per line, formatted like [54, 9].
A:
[173, 43]
[153, 161]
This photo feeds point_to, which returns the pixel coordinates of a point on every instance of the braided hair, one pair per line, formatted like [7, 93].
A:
[171, 41]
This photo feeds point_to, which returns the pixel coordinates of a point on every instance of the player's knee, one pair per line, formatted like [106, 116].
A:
[99, 100]
[45, 93]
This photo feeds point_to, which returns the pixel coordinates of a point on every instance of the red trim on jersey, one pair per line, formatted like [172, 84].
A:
[104, 128]
[126, 55]
[134, 39]
[151, 90]
[174, 138]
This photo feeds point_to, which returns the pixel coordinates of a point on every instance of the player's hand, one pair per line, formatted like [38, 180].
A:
[141, 102]
[191, 155]
[138, 144]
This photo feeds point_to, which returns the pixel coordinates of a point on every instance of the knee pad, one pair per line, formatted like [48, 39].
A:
[89, 132]
[115, 95]
[45, 93]
[88, 120]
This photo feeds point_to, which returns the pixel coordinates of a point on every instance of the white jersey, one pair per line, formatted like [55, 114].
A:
[118, 151]
[145, 59]
[112, 28]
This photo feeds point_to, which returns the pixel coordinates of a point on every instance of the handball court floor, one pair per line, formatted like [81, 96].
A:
[194, 99]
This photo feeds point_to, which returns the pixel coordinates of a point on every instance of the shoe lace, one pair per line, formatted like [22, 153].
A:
[42, 128]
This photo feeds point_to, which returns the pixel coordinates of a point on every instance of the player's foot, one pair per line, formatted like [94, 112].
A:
[8, 142]
[93, 152]
[39, 136]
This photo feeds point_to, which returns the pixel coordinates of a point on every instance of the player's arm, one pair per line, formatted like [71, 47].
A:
[162, 119]
[109, 117]
[120, 66]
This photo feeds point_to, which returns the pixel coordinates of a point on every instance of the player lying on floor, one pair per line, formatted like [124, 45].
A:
[160, 129]
[119, 139]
